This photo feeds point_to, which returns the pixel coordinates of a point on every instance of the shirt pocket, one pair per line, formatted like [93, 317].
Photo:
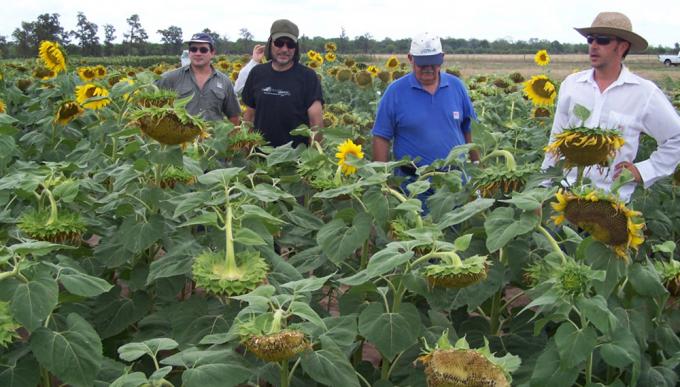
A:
[217, 96]
[620, 121]
[185, 91]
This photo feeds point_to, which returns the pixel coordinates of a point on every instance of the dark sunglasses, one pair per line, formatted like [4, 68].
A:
[288, 43]
[601, 40]
[203, 50]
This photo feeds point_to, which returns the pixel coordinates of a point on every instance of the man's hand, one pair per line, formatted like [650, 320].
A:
[258, 53]
[629, 166]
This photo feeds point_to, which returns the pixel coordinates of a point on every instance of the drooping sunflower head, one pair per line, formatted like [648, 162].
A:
[330, 47]
[385, 76]
[517, 77]
[540, 113]
[44, 73]
[499, 180]
[67, 112]
[52, 56]
[169, 125]
[212, 273]
[8, 327]
[363, 78]
[586, 146]
[172, 176]
[540, 90]
[602, 215]
[670, 275]
[66, 228]
[276, 347]
[344, 75]
[446, 275]
[86, 73]
[542, 58]
[348, 148]
[329, 119]
[91, 96]
[392, 63]
[349, 62]
[243, 139]
[155, 98]
[459, 365]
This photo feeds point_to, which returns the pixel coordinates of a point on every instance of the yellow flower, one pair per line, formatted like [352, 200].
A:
[224, 66]
[90, 90]
[3, 108]
[233, 75]
[346, 148]
[67, 112]
[540, 90]
[542, 58]
[585, 146]
[50, 53]
[330, 47]
[330, 56]
[392, 62]
[100, 71]
[87, 73]
[237, 66]
[603, 216]
[373, 70]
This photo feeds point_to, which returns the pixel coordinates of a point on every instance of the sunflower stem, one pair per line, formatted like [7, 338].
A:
[553, 242]
[276, 322]
[284, 373]
[579, 175]
[589, 370]
[229, 236]
[337, 179]
[403, 199]
[494, 317]
[510, 162]
[47, 382]
[53, 205]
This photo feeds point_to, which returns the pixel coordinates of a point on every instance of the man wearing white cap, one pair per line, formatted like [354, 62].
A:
[619, 99]
[424, 114]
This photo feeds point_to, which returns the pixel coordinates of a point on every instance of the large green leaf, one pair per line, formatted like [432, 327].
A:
[645, 280]
[501, 226]
[37, 248]
[20, 373]
[306, 312]
[177, 261]
[622, 350]
[380, 263]
[113, 315]
[574, 345]
[377, 204]
[140, 235]
[217, 375]
[188, 202]
[82, 284]
[461, 214]
[329, 366]
[595, 310]
[134, 379]
[390, 332]
[548, 370]
[73, 355]
[339, 240]
[133, 351]
[219, 176]
[32, 302]
[309, 284]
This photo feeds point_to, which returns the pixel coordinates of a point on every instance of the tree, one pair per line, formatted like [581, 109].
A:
[46, 27]
[343, 40]
[245, 34]
[364, 42]
[86, 33]
[109, 37]
[172, 37]
[3, 47]
[137, 35]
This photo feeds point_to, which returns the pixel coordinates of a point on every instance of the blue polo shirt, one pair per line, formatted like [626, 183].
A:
[421, 124]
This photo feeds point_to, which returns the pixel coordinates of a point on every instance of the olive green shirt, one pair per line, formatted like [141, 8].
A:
[215, 101]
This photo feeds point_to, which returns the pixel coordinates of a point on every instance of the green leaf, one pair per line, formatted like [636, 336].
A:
[219, 176]
[36, 249]
[342, 330]
[248, 237]
[667, 247]
[377, 204]
[309, 284]
[20, 373]
[251, 211]
[266, 193]
[645, 280]
[67, 191]
[139, 235]
[595, 310]
[207, 218]
[339, 240]
[177, 261]
[283, 154]
[390, 332]
[461, 214]
[581, 112]
[501, 227]
[133, 351]
[306, 312]
[380, 263]
[188, 202]
[134, 379]
[548, 370]
[114, 315]
[74, 355]
[32, 302]
[82, 284]
[418, 187]
[462, 243]
[329, 366]
[622, 350]
[574, 345]
[215, 375]
[530, 200]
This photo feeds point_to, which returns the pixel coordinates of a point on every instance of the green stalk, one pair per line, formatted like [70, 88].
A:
[494, 317]
[451, 257]
[385, 369]
[45, 377]
[553, 242]
[403, 199]
[229, 236]
[276, 323]
[510, 162]
[589, 370]
[364, 256]
[53, 206]
[579, 175]
[284, 373]
[512, 109]
[337, 179]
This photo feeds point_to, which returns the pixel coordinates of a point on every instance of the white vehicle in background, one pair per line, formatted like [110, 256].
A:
[669, 60]
[184, 58]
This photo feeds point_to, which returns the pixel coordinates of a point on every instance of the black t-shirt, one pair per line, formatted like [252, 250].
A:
[281, 100]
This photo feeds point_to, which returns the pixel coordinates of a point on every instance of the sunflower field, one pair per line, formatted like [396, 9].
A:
[142, 246]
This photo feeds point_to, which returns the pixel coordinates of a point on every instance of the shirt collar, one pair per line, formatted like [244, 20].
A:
[624, 77]
[443, 81]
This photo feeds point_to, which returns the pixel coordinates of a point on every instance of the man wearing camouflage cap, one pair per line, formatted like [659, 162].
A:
[282, 94]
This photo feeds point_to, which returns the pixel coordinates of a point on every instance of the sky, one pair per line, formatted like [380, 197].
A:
[655, 20]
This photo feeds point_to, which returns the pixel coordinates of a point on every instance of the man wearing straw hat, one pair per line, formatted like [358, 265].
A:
[619, 99]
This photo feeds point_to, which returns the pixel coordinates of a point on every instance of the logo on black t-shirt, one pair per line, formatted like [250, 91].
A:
[277, 92]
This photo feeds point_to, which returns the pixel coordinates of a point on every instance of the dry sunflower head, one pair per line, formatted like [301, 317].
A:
[500, 180]
[586, 146]
[170, 125]
[66, 228]
[464, 273]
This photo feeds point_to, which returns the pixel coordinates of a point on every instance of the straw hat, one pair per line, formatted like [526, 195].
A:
[615, 24]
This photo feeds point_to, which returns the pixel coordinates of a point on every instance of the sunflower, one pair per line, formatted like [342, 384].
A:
[44, 225]
[44, 73]
[86, 73]
[90, 90]
[3, 108]
[170, 125]
[237, 66]
[275, 347]
[540, 112]
[670, 275]
[311, 54]
[392, 63]
[343, 75]
[51, 55]
[344, 149]
[603, 216]
[542, 58]
[349, 62]
[396, 74]
[363, 78]
[517, 77]
[224, 66]
[329, 119]
[8, 327]
[385, 77]
[330, 57]
[67, 112]
[374, 70]
[233, 75]
[330, 46]
[501, 180]
[540, 90]
[231, 276]
[586, 146]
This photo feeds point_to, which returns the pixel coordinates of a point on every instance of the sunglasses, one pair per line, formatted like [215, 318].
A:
[288, 43]
[203, 50]
[600, 40]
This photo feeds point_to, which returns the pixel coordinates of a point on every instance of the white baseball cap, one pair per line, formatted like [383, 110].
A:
[426, 50]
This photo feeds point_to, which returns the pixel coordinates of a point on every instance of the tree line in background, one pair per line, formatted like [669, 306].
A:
[85, 41]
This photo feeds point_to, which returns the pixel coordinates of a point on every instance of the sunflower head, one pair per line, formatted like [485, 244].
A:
[224, 66]
[344, 75]
[8, 327]
[155, 98]
[52, 56]
[516, 77]
[91, 96]
[66, 228]
[23, 84]
[331, 47]
[363, 78]
[212, 273]
[374, 70]
[169, 126]
[540, 90]
[586, 146]
[67, 112]
[348, 148]
[385, 76]
[349, 62]
[446, 275]
[396, 74]
[243, 139]
[602, 215]
[392, 63]
[542, 58]
[172, 176]
[100, 71]
[330, 57]
[44, 73]
[329, 119]
[670, 275]
[573, 278]
[276, 347]
[3, 108]
[499, 180]
[540, 113]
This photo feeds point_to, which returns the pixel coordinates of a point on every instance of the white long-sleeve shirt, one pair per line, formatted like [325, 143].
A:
[243, 75]
[632, 105]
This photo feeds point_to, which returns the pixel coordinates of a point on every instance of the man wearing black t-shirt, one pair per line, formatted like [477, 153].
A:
[282, 94]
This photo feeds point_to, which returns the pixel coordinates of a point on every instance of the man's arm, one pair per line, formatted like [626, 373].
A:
[474, 155]
[258, 54]
[381, 148]
[315, 115]
[249, 115]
